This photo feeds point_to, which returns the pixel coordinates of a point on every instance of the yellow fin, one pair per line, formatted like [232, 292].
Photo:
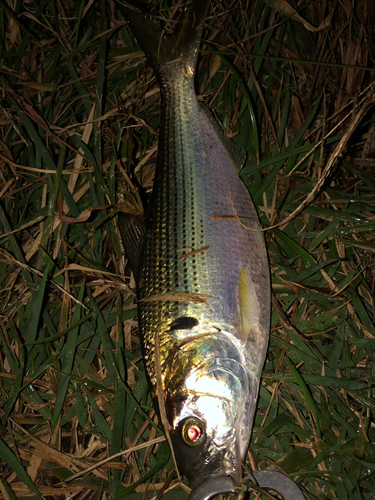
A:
[249, 307]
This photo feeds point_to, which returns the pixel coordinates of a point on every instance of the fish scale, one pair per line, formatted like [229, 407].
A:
[175, 224]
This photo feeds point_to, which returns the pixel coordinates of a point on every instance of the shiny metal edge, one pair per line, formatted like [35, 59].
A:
[283, 485]
[211, 488]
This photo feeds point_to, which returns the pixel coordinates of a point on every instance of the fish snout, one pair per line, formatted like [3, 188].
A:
[224, 475]
[212, 487]
[217, 484]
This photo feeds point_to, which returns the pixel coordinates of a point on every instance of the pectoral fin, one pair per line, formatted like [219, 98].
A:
[249, 307]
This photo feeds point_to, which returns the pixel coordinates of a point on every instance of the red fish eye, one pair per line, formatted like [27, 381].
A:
[194, 433]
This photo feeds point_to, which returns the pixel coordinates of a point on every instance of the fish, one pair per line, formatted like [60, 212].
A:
[201, 268]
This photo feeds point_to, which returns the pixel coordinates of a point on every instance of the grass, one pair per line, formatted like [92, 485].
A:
[78, 120]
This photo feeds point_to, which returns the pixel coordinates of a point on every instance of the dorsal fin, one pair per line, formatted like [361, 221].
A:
[133, 234]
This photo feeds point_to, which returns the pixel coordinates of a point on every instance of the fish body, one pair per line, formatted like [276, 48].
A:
[203, 283]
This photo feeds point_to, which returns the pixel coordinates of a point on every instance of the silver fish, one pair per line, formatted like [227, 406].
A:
[202, 271]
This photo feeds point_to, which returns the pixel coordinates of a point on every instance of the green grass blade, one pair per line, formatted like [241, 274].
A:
[17, 467]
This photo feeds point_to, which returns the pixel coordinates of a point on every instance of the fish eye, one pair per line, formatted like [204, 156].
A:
[193, 431]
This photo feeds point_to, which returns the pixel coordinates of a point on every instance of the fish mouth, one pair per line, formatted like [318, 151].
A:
[212, 487]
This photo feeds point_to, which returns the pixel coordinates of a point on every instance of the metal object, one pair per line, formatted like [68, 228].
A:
[281, 484]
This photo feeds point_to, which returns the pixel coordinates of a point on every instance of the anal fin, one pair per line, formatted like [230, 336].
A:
[237, 154]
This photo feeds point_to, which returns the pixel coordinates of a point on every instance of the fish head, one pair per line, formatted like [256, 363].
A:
[205, 442]
[206, 418]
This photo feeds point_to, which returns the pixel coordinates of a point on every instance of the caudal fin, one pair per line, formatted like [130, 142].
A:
[160, 45]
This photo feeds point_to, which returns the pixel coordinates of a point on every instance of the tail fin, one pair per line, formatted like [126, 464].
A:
[160, 46]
